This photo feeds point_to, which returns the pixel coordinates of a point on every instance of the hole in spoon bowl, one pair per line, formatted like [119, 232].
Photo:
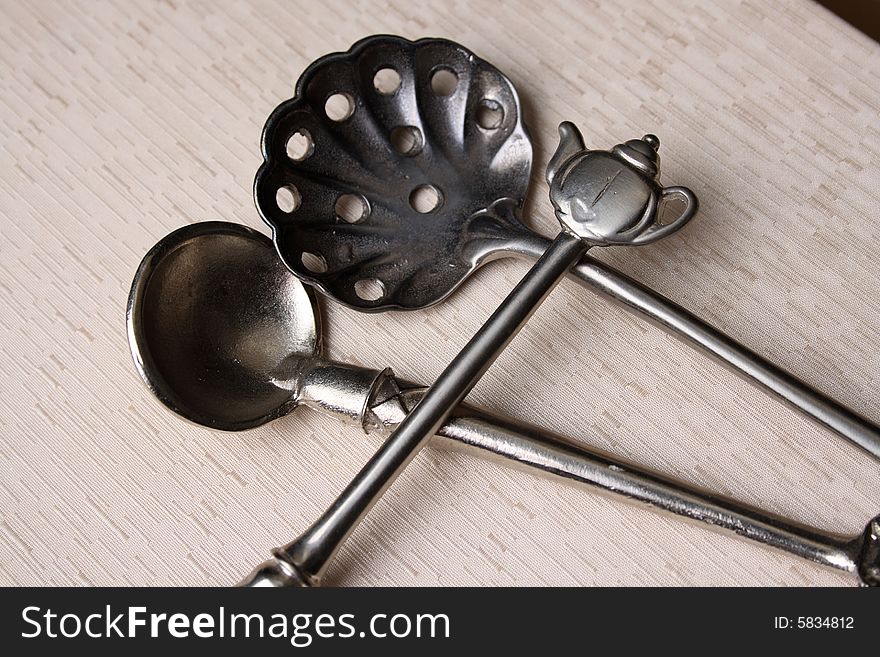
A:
[425, 199]
[386, 81]
[369, 289]
[407, 140]
[287, 198]
[300, 145]
[490, 114]
[352, 208]
[444, 81]
[339, 107]
[314, 262]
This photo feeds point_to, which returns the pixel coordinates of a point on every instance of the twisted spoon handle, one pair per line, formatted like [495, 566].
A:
[640, 300]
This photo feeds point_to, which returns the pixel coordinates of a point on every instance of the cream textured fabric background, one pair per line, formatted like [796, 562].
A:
[122, 121]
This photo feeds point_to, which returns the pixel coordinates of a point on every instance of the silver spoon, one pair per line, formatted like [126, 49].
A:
[373, 133]
[225, 336]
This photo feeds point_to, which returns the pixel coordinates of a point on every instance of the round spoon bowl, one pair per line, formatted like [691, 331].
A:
[217, 325]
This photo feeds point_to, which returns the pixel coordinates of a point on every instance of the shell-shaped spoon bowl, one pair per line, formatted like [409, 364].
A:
[379, 171]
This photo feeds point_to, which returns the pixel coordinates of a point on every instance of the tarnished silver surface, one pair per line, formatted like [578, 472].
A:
[537, 449]
[225, 336]
[612, 197]
[196, 296]
[394, 246]
[629, 215]
[210, 267]
[615, 204]
[408, 259]
[417, 257]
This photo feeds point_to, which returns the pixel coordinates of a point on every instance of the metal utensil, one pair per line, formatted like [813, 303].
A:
[373, 133]
[601, 198]
[224, 335]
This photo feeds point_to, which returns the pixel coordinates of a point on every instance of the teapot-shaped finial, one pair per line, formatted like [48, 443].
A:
[612, 197]
[641, 154]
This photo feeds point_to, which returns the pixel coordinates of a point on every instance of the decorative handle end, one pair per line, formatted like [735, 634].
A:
[868, 560]
[274, 573]
[656, 231]
[612, 197]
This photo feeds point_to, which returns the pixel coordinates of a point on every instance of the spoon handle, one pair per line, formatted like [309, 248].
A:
[378, 402]
[538, 449]
[304, 561]
[512, 442]
[638, 299]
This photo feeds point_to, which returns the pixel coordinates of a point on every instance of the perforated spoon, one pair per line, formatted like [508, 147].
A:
[399, 168]
[225, 336]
